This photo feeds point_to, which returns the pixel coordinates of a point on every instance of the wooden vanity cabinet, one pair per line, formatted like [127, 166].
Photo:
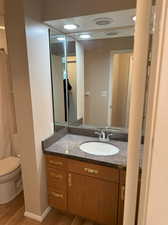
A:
[84, 189]
[93, 191]
[57, 182]
[93, 198]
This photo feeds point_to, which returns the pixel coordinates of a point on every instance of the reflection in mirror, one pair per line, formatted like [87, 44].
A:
[100, 76]
[100, 72]
[75, 70]
[95, 59]
[59, 76]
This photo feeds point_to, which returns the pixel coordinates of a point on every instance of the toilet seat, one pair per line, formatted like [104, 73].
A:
[9, 165]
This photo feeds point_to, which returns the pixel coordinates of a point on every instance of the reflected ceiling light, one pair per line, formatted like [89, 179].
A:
[60, 38]
[2, 28]
[85, 36]
[70, 27]
[134, 18]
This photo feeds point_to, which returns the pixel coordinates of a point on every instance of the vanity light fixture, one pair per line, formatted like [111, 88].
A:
[2, 28]
[60, 38]
[70, 26]
[134, 18]
[85, 36]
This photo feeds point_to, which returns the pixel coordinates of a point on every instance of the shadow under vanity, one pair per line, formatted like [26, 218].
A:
[83, 184]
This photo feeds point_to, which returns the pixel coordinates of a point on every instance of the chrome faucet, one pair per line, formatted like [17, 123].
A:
[103, 134]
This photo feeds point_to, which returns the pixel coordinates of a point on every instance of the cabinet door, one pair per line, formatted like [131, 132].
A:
[93, 198]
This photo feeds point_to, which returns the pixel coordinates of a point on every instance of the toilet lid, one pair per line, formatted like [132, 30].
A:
[8, 165]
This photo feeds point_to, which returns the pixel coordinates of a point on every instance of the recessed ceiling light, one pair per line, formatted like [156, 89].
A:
[60, 38]
[85, 36]
[2, 28]
[103, 21]
[134, 18]
[70, 27]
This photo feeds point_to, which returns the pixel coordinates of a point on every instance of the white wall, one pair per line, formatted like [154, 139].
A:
[37, 40]
[58, 91]
[30, 69]
[80, 80]
[21, 88]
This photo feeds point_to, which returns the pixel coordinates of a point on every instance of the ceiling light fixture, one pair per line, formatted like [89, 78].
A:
[60, 38]
[85, 36]
[134, 18]
[2, 28]
[70, 26]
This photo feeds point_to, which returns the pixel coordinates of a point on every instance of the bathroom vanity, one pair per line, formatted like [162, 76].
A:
[91, 89]
[86, 185]
[85, 189]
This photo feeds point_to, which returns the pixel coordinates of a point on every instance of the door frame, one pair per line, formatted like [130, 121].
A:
[140, 59]
[157, 69]
[110, 96]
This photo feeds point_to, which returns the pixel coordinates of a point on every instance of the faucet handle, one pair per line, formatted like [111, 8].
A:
[109, 135]
[101, 134]
[98, 133]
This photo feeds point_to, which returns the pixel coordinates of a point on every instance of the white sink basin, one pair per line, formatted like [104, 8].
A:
[99, 148]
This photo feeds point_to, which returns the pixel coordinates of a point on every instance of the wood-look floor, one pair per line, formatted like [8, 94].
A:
[13, 214]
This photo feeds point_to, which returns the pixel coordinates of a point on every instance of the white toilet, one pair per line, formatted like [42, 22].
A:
[10, 179]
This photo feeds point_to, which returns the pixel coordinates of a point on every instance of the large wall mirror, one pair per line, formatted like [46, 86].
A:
[91, 60]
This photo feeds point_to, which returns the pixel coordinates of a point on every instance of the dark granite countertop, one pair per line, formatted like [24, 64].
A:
[68, 146]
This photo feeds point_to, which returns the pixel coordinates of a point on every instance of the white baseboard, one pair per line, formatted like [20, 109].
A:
[37, 217]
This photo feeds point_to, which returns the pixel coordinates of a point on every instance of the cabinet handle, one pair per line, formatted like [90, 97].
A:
[57, 195]
[92, 171]
[123, 192]
[69, 180]
[57, 176]
[56, 163]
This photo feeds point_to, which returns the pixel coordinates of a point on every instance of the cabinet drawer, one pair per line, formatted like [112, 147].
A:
[56, 162]
[88, 169]
[57, 199]
[57, 178]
